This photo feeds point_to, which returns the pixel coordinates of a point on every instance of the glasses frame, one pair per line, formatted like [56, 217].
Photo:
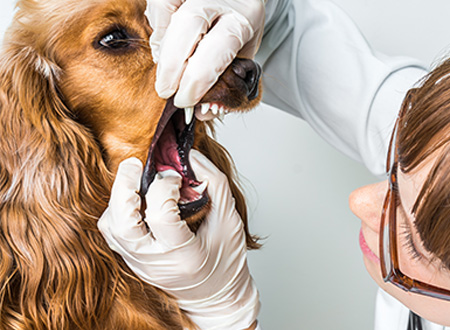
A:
[389, 217]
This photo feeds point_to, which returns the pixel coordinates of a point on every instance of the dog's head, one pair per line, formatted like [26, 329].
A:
[76, 98]
[99, 54]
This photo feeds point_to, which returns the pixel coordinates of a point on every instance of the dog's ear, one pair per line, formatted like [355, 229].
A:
[41, 127]
[32, 79]
[53, 184]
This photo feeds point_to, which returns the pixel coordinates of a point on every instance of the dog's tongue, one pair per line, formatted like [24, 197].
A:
[149, 169]
[165, 154]
[166, 157]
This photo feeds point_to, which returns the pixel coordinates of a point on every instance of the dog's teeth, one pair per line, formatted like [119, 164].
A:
[205, 108]
[201, 188]
[214, 109]
[221, 113]
[188, 114]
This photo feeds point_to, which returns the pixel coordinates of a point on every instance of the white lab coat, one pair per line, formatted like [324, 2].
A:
[319, 67]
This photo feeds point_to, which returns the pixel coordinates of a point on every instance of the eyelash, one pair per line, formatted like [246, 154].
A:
[409, 244]
[406, 232]
[394, 190]
[117, 38]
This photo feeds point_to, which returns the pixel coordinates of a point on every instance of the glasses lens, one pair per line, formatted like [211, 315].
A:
[386, 258]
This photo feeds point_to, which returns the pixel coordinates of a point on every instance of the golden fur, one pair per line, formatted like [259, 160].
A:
[69, 113]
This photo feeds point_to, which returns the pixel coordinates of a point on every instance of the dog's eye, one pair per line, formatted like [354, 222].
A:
[117, 39]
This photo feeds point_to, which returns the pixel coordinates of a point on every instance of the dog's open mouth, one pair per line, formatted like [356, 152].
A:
[169, 150]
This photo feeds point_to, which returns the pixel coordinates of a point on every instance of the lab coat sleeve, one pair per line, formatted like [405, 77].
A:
[318, 66]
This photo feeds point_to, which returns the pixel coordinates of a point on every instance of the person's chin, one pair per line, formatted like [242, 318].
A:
[428, 308]
[374, 270]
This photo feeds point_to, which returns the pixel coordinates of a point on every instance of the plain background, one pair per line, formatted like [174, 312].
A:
[310, 271]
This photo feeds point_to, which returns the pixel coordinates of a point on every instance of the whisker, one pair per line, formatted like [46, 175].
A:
[139, 41]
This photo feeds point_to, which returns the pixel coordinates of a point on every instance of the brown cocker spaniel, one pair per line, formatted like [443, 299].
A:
[76, 98]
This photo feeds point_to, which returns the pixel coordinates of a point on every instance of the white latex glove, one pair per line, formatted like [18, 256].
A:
[206, 272]
[216, 30]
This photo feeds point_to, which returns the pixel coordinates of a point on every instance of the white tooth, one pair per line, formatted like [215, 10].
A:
[221, 113]
[201, 188]
[205, 108]
[214, 109]
[188, 114]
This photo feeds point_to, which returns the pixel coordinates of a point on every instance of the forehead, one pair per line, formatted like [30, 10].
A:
[59, 15]
[98, 10]
[76, 6]
[76, 22]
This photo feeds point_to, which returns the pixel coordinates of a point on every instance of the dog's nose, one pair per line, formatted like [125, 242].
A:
[250, 72]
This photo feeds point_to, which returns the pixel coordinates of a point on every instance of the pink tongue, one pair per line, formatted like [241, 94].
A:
[166, 152]
[167, 158]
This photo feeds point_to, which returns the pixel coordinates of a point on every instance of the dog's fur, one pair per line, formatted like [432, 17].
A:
[69, 113]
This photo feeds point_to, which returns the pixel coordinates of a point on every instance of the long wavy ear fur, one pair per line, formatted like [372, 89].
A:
[56, 271]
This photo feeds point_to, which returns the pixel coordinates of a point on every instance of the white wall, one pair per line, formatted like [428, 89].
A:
[6, 9]
[310, 271]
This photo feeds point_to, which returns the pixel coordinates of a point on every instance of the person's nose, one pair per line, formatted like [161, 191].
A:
[250, 72]
[367, 203]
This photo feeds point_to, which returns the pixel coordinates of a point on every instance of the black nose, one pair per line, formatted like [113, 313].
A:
[250, 72]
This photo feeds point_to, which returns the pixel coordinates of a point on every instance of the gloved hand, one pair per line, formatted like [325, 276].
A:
[207, 272]
[216, 30]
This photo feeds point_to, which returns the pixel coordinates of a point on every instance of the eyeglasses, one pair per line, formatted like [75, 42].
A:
[388, 232]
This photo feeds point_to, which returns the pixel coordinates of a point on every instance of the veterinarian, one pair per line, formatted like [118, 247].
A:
[309, 46]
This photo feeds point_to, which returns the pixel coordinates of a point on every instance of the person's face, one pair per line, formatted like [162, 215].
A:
[366, 203]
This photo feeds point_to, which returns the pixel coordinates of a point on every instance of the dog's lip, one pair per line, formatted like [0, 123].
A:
[189, 207]
[168, 112]
[149, 170]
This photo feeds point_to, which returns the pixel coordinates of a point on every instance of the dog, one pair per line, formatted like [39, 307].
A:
[76, 98]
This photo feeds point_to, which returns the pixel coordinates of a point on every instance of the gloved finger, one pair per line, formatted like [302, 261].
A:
[159, 13]
[218, 186]
[255, 13]
[163, 214]
[223, 219]
[204, 169]
[192, 23]
[250, 48]
[210, 59]
[129, 249]
[122, 216]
